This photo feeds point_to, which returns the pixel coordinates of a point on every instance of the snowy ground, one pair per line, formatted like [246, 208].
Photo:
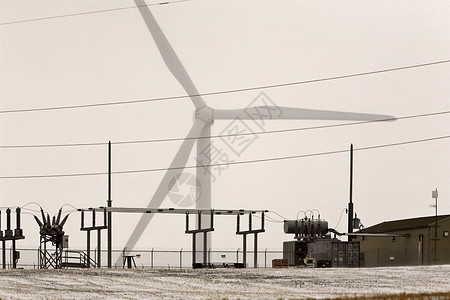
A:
[292, 283]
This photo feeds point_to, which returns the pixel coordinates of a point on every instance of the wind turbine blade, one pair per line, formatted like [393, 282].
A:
[168, 54]
[166, 183]
[289, 113]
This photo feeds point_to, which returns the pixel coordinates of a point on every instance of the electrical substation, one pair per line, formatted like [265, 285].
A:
[314, 243]
[199, 228]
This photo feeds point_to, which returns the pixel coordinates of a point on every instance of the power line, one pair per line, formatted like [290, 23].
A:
[219, 136]
[62, 145]
[90, 12]
[224, 91]
[231, 163]
[268, 219]
[278, 215]
[340, 217]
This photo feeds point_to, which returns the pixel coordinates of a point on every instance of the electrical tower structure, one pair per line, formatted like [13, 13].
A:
[51, 231]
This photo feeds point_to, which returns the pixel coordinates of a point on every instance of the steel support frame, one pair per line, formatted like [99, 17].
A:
[10, 235]
[13, 240]
[205, 236]
[244, 237]
[99, 236]
[47, 260]
[4, 254]
[109, 210]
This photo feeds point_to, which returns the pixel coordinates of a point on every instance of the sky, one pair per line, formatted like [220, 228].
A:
[62, 55]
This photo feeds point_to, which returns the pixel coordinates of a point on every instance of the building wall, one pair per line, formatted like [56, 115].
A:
[442, 243]
[384, 251]
[416, 249]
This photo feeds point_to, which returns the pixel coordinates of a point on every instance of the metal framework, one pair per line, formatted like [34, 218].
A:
[363, 234]
[7, 235]
[46, 259]
[200, 228]
[51, 231]
[255, 238]
[99, 229]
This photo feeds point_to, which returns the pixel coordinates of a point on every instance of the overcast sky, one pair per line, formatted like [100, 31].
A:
[110, 56]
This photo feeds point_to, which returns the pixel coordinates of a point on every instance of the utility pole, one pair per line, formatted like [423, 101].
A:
[350, 204]
[109, 205]
[434, 194]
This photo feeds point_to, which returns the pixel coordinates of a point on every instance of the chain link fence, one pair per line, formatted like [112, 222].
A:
[149, 258]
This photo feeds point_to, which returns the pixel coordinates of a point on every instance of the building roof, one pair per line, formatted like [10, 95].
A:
[406, 224]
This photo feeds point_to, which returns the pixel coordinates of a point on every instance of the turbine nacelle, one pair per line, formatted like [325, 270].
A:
[205, 114]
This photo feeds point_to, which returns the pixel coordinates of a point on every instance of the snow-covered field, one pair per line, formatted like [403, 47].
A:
[292, 283]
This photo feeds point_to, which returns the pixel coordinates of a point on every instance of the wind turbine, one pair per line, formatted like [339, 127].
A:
[200, 131]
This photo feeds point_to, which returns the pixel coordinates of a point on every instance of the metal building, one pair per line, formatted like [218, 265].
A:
[417, 241]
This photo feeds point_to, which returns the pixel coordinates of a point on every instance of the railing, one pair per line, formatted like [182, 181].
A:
[152, 258]
[77, 259]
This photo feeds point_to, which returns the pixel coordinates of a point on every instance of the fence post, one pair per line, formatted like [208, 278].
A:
[152, 258]
[95, 257]
[265, 258]
[255, 250]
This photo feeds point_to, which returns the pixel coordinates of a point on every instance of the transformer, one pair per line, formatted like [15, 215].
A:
[314, 243]
[325, 252]
[306, 228]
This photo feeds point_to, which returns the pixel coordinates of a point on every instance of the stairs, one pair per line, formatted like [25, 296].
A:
[67, 265]
[77, 259]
